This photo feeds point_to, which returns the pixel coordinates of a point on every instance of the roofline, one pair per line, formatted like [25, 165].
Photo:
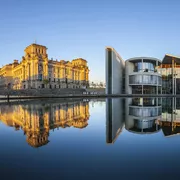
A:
[117, 54]
[142, 133]
[37, 45]
[79, 59]
[170, 55]
[143, 57]
[171, 135]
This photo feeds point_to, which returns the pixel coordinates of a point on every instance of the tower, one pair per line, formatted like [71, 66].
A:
[36, 49]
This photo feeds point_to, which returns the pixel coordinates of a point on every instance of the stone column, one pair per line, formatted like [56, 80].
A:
[87, 76]
[28, 71]
[81, 75]
[46, 70]
[23, 73]
[73, 75]
[61, 72]
[78, 74]
[36, 67]
[29, 67]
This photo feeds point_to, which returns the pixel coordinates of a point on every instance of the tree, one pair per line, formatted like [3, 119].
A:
[45, 81]
[101, 84]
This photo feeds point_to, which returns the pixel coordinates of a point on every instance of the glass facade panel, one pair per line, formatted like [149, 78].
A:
[144, 124]
[135, 79]
[145, 79]
[159, 80]
[145, 101]
[137, 90]
[146, 89]
[145, 112]
[144, 67]
[149, 89]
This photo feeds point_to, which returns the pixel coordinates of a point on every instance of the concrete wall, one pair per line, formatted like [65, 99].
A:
[114, 72]
[114, 118]
[128, 70]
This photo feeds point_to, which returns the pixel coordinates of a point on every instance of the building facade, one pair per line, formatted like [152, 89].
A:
[141, 76]
[134, 76]
[114, 72]
[170, 70]
[36, 71]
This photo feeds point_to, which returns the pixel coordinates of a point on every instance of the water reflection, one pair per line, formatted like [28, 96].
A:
[36, 120]
[133, 115]
[142, 116]
[114, 119]
[170, 121]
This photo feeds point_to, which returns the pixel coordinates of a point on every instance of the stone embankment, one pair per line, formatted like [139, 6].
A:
[15, 95]
[40, 92]
[49, 92]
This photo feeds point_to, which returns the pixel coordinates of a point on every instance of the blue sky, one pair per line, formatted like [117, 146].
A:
[77, 28]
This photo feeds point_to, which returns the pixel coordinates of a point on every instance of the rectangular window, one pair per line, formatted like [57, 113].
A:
[40, 77]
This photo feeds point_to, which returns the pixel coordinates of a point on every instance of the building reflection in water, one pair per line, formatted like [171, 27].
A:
[114, 118]
[36, 120]
[170, 121]
[142, 115]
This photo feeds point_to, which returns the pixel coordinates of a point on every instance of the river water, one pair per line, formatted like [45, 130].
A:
[132, 138]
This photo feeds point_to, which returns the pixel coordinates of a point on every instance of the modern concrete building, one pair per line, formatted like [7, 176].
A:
[141, 76]
[134, 76]
[114, 72]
